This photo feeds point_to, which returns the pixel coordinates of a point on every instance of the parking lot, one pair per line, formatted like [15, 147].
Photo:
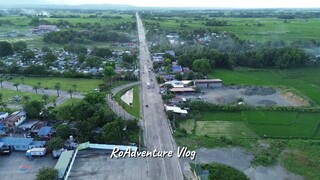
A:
[96, 165]
[17, 166]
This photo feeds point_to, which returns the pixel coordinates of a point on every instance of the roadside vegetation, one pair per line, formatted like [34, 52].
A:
[133, 109]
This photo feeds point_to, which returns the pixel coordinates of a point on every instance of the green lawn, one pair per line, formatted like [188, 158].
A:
[303, 80]
[83, 85]
[264, 123]
[134, 110]
[8, 96]
[69, 102]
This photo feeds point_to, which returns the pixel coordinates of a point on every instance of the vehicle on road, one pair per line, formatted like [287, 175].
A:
[5, 150]
[38, 152]
[148, 85]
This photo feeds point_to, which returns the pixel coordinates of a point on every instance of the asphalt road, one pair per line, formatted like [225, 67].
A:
[157, 134]
[116, 108]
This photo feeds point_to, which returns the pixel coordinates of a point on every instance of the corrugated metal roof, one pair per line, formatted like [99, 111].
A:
[63, 163]
[111, 147]
[17, 141]
[44, 131]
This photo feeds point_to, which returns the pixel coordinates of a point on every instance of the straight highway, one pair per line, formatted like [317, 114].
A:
[157, 134]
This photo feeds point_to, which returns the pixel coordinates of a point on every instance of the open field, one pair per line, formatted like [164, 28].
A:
[134, 110]
[83, 85]
[274, 124]
[8, 96]
[301, 81]
[247, 28]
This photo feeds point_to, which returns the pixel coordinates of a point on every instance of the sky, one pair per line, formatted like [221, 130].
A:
[202, 3]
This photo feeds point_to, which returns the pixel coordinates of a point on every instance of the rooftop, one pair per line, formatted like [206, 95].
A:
[63, 163]
[180, 89]
[208, 81]
[44, 131]
[17, 141]
[14, 116]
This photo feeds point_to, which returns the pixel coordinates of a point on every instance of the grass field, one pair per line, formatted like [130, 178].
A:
[247, 29]
[8, 96]
[69, 102]
[134, 110]
[83, 85]
[264, 123]
[302, 80]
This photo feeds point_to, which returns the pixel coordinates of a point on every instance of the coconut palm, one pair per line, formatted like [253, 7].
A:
[16, 85]
[26, 98]
[70, 91]
[74, 87]
[57, 87]
[36, 89]
[45, 97]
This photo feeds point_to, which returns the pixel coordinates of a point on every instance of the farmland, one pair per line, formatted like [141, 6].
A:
[249, 124]
[247, 28]
[301, 81]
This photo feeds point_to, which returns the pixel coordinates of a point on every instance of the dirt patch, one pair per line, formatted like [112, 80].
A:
[266, 102]
[295, 99]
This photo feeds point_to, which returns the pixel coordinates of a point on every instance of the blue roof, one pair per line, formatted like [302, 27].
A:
[44, 131]
[38, 143]
[176, 68]
[17, 141]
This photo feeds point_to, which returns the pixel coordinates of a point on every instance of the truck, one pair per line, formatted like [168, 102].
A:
[36, 152]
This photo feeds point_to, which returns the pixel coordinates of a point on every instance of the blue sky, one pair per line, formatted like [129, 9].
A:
[203, 3]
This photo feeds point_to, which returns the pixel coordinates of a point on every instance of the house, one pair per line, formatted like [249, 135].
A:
[37, 144]
[183, 90]
[35, 129]
[3, 115]
[186, 70]
[45, 131]
[44, 29]
[208, 83]
[14, 120]
[28, 125]
[19, 144]
[199, 173]
[172, 53]
[176, 110]
[176, 69]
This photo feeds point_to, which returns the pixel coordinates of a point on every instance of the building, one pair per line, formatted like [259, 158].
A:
[28, 125]
[176, 110]
[45, 132]
[208, 83]
[183, 90]
[14, 120]
[176, 69]
[3, 115]
[18, 144]
[42, 29]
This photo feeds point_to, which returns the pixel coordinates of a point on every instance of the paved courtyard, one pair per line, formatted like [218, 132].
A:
[17, 166]
[97, 165]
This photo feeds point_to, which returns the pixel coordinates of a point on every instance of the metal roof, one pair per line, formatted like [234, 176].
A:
[17, 141]
[44, 131]
[63, 163]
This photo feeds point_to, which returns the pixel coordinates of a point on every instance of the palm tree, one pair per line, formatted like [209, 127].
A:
[70, 91]
[1, 97]
[39, 84]
[22, 79]
[1, 80]
[74, 87]
[16, 85]
[26, 98]
[57, 87]
[45, 97]
[36, 89]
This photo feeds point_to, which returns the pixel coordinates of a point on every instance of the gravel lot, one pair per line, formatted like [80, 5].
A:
[241, 160]
[252, 95]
